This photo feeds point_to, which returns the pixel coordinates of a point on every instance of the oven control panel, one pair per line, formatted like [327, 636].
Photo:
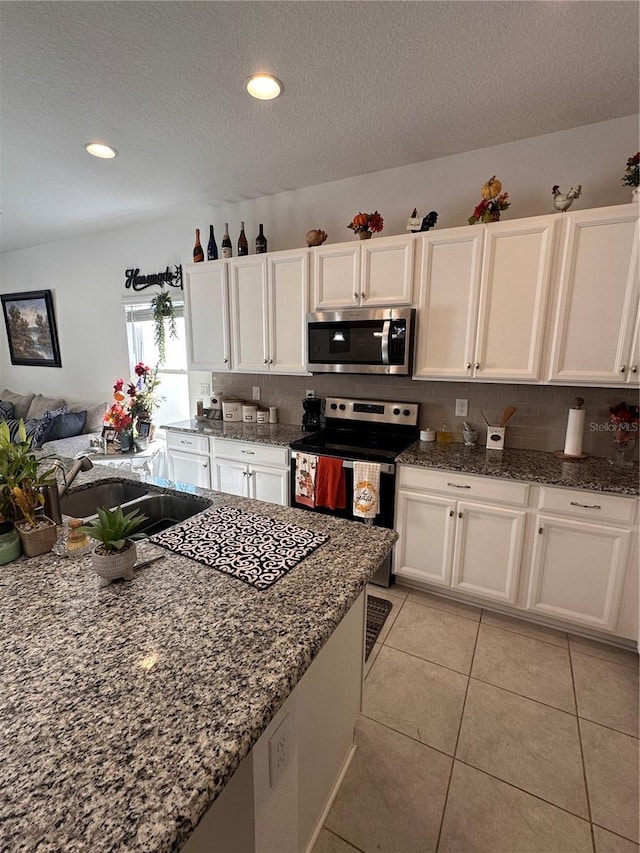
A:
[374, 411]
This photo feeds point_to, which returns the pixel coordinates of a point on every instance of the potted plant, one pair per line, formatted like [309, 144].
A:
[21, 481]
[631, 177]
[116, 554]
[162, 307]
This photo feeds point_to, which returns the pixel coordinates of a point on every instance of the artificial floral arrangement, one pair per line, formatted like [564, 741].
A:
[366, 224]
[493, 202]
[631, 177]
[624, 420]
[162, 307]
[137, 400]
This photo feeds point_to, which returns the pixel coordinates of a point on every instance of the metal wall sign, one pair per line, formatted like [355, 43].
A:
[134, 280]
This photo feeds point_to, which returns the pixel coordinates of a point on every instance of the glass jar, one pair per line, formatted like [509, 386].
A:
[10, 547]
[444, 435]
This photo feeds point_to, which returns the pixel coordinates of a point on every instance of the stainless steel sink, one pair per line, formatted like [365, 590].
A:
[86, 501]
[162, 510]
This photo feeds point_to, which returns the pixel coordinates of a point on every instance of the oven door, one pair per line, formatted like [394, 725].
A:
[385, 517]
[360, 341]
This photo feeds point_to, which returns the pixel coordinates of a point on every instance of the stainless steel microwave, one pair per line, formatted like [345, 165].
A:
[367, 340]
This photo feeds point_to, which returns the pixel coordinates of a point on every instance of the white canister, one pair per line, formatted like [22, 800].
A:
[262, 417]
[231, 410]
[273, 415]
[495, 437]
[249, 413]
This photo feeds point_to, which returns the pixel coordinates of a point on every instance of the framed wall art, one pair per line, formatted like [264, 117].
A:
[31, 328]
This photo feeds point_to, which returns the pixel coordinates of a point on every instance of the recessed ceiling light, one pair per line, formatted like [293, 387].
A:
[265, 87]
[98, 149]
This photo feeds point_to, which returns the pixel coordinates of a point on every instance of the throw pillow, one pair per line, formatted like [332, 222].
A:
[31, 428]
[95, 415]
[21, 402]
[41, 405]
[66, 425]
[6, 411]
[45, 423]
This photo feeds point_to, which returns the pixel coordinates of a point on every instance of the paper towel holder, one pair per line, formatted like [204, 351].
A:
[578, 403]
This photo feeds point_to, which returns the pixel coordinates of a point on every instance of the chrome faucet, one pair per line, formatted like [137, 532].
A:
[53, 492]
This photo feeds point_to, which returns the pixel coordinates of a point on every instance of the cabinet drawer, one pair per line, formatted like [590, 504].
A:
[595, 506]
[188, 442]
[256, 454]
[464, 486]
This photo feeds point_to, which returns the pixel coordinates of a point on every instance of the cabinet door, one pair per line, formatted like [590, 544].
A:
[336, 277]
[288, 277]
[578, 571]
[633, 370]
[449, 277]
[598, 297]
[387, 271]
[248, 297]
[207, 316]
[425, 548]
[269, 484]
[193, 468]
[488, 546]
[516, 272]
[230, 477]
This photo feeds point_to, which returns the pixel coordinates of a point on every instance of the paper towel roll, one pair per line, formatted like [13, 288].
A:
[575, 432]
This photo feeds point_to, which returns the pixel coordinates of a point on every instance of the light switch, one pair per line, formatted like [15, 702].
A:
[462, 408]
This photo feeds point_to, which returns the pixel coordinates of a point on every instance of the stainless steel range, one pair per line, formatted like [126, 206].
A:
[373, 431]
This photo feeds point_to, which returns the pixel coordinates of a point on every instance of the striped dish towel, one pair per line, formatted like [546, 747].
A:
[366, 489]
[306, 465]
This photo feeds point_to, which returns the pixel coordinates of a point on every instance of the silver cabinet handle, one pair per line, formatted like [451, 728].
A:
[451, 513]
[205, 464]
[634, 369]
[459, 515]
[270, 361]
[184, 441]
[249, 452]
[539, 530]
[468, 365]
[226, 361]
[477, 365]
[355, 297]
[362, 295]
[458, 486]
[266, 361]
[623, 369]
[586, 506]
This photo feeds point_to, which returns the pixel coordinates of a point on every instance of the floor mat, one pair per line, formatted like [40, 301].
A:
[377, 611]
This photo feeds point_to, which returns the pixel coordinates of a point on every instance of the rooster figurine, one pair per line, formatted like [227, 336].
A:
[563, 201]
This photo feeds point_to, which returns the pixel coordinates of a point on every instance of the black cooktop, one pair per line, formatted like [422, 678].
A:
[365, 445]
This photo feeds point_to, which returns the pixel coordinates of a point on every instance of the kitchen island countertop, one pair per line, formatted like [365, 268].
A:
[531, 466]
[124, 711]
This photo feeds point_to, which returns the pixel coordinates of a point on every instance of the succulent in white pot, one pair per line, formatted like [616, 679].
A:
[116, 554]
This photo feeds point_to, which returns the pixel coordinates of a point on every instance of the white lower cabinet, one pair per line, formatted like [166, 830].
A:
[472, 547]
[566, 557]
[189, 459]
[251, 470]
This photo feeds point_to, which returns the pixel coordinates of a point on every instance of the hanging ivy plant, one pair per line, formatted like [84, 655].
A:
[162, 306]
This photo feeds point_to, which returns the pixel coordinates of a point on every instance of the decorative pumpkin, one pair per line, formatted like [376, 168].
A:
[491, 189]
[361, 220]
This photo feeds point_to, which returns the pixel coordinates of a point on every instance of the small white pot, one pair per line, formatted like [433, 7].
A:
[118, 564]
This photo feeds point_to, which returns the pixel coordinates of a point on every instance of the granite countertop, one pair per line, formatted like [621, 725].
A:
[531, 466]
[282, 434]
[124, 711]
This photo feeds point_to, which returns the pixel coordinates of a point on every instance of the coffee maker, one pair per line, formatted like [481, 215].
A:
[312, 414]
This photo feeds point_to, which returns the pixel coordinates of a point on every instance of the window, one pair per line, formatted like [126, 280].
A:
[174, 387]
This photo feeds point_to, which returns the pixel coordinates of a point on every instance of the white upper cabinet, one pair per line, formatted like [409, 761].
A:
[595, 337]
[269, 302]
[249, 305]
[483, 297]
[375, 272]
[450, 265]
[207, 316]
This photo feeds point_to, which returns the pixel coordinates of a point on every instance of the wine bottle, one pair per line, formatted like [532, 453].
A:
[227, 249]
[243, 246]
[261, 242]
[212, 247]
[198, 254]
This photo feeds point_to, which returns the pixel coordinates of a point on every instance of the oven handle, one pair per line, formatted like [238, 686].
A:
[386, 338]
[385, 467]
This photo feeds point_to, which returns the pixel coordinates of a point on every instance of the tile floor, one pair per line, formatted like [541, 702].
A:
[486, 734]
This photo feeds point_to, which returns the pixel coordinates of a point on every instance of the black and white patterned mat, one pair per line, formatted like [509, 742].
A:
[252, 548]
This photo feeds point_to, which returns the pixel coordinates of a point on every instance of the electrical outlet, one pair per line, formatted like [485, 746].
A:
[309, 392]
[205, 389]
[462, 408]
[256, 392]
[279, 749]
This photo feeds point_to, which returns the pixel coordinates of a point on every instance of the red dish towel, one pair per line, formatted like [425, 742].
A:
[330, 485]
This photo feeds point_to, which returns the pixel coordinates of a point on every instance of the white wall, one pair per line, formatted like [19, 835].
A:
[86, 274]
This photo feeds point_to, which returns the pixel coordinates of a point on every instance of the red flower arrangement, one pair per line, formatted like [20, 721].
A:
[489, 209]
[138, 399]
[624, 420]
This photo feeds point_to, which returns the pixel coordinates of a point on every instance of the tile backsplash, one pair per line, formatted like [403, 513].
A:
[539, 424]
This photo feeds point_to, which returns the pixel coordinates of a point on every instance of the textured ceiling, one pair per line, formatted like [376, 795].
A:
[368, 86]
